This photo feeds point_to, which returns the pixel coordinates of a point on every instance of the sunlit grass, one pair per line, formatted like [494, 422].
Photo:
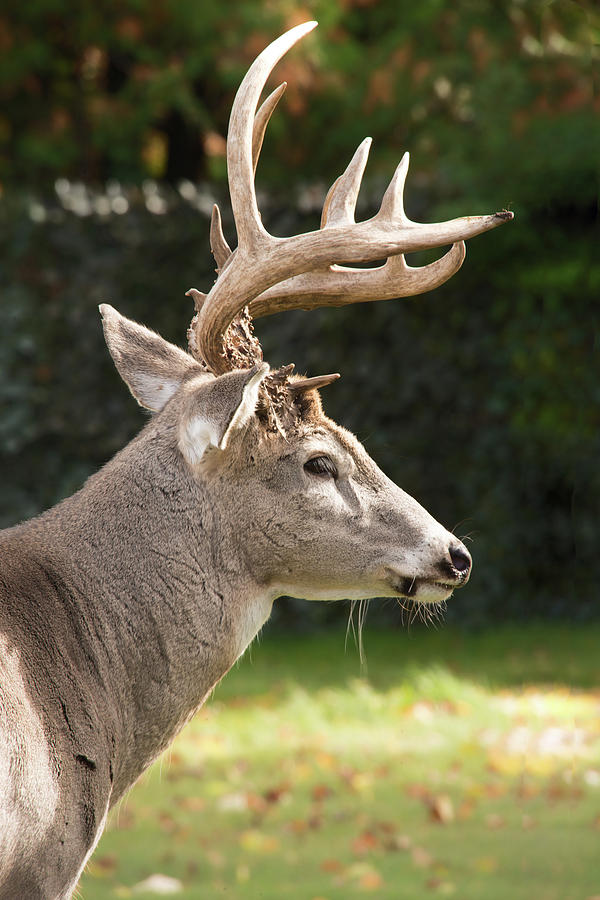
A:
[465, 766]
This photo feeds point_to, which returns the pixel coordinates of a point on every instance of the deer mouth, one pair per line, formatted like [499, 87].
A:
[423, 590]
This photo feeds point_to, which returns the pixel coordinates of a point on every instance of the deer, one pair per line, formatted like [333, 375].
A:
[124, 605]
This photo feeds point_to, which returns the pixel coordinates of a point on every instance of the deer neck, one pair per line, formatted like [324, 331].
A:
[144, 549]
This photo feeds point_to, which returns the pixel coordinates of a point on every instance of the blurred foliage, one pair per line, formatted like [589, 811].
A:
[481, 399]
[143, 88]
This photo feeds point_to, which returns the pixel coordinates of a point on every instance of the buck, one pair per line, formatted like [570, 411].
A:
[123, 606]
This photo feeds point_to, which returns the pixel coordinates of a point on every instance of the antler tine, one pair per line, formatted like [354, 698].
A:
[342, 286]
[240, 135]
[261, 120]
[301, 385]
[234, 286]
[218, 245]
[340, 202]
[392, 204]
[326, 202]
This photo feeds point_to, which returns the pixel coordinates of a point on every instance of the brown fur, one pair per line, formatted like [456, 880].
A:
[122, 607]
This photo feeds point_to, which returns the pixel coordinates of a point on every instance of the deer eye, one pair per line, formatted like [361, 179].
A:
[321, 465]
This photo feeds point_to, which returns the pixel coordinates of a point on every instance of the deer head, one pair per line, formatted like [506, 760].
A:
[315, 515]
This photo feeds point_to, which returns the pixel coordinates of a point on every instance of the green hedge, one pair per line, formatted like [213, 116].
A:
[481, 399]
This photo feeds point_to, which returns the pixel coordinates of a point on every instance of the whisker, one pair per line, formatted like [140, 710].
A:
[363, 606]
[459, 523]
[350, 624]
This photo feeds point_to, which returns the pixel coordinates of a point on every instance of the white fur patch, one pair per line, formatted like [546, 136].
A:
[200, 432]
[196, 436]
[253, 615]
[153, 391]
[28, 785]
[101, 828]
[247, 407]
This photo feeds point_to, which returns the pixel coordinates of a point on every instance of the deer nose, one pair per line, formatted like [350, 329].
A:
[461, 559]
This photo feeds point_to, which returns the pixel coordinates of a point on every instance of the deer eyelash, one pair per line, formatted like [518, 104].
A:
[321, 465]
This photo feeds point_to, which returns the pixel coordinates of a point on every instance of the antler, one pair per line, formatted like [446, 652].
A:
[273, 274]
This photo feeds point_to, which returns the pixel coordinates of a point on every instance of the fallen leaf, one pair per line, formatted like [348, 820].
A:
[256, 803]
[440, 886]
[333, 866]
[421, 857]
[419, 791]
[370, 881]
[159, 884]
[255, 841]
[504, 763]
[364, 843]
[297, 826]
[233, 802]
[440, 808]
[320, 792]
[526, 790]
[325, 760]
[496, 789]
[102, 866]
[355, 780]
[193, 804]
[397, 842]
[166, 821]
[276, 794]
[365, 876]
[465, 810]
[192, 868]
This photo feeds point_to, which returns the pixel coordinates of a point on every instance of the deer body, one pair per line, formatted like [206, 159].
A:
[122, 607]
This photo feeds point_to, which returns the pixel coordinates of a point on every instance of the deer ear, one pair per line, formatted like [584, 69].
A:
[218, 409]
[151, 367]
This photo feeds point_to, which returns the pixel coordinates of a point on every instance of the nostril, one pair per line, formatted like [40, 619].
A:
[461, 561]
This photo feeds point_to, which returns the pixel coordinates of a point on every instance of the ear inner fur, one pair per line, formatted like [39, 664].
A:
[218, 409]
[152, 368]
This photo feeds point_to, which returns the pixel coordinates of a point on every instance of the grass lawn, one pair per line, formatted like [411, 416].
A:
[456, 765]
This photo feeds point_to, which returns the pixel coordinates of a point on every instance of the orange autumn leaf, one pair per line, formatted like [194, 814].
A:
[364, 843]
[321, 792]
[370, 881]
[332, 866]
